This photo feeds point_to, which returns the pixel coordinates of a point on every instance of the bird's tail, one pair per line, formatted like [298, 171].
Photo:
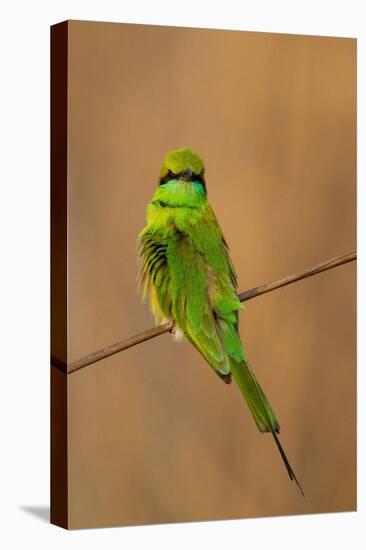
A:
[260, 408]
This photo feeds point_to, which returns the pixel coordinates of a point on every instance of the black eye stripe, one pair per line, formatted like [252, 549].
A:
[170, 175]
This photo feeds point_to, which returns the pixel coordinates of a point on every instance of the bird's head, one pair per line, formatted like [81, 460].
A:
[183, 165]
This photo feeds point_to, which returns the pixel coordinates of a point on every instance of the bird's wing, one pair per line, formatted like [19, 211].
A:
[221, 316]
[202, 287]
[153, 275]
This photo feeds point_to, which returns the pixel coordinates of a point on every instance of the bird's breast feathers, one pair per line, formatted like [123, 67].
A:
[178, 204]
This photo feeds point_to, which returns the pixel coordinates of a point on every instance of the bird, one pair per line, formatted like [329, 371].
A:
[190, 279]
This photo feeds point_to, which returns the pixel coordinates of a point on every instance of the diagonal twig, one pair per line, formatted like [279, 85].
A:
[243, 297]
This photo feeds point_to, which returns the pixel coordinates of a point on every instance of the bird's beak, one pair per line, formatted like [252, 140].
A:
[186, 175]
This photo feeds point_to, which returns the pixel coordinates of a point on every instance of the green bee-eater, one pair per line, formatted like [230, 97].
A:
[186, 268]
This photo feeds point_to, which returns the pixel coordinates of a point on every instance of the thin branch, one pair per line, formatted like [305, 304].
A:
[243, 297]
[319, 268]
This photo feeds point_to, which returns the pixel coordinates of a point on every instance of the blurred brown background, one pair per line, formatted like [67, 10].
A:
[154, 436]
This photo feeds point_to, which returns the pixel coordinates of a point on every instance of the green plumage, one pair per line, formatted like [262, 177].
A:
[186, 268]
